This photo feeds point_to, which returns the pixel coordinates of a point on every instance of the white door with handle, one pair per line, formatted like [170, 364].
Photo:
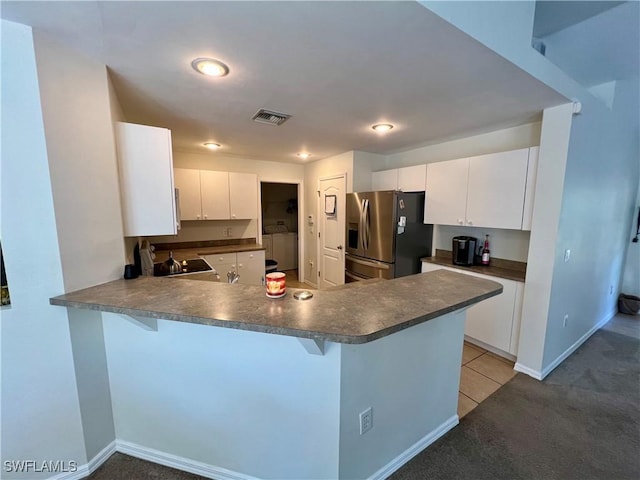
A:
[331, 230]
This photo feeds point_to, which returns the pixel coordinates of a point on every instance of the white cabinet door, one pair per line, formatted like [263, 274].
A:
[412, 179]
[147, 193]
[223, 263]
[384, 180]
[251, 267]
[188, 184]
[496, 188]
[243, 195]
[491, 320]
[495, 321]
[446, 193]
[214, 187]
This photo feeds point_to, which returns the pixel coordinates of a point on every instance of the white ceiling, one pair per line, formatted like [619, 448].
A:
[336, 67]
[554, 15]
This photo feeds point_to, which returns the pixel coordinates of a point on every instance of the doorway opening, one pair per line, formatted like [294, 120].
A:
[280, 229]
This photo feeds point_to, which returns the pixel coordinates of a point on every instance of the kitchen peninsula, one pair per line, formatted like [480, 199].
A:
[248, 400]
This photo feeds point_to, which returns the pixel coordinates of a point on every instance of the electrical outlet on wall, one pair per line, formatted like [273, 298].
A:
[366, 421]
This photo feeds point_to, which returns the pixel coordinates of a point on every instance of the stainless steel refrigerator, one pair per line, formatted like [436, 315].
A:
[386, 236]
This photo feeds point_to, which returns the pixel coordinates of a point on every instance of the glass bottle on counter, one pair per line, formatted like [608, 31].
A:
[486, 253]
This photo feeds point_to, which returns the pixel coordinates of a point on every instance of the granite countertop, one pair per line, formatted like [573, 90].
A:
[501, 268]
[355, 313]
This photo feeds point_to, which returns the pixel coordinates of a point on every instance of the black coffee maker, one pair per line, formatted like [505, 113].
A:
[464, 250]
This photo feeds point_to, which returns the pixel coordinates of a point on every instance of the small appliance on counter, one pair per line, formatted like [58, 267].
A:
[464, 250]
[173, 267]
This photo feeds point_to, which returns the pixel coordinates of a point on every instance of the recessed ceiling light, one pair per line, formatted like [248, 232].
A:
[303, 155]
[382, 127]
[212, 146]
[210, 67]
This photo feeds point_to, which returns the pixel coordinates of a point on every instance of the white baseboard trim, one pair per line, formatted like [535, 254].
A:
[91, 466]
[540, 375]
[179, 463]
[518, 367]
[490, 348]
[549, 368]
[415, 449]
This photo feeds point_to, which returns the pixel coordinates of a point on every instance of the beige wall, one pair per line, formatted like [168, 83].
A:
[82, 159]
[314, 171]
[512, 138]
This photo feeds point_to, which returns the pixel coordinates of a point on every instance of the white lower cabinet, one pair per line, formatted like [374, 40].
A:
[495, 321]
[249, 265]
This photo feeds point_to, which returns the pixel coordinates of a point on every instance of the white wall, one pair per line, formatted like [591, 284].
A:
[542, 258]
[521, 136]
[599, 190]
[218, 396]
[82, 159]
[363, 164]
[411, 381]
[41, 417]
[631, 276]
[313, 172]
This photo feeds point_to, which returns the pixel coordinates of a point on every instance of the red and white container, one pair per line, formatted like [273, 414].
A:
[276, 284]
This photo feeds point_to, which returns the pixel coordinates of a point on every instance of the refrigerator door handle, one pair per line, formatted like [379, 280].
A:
[361, 227]
[367, 224]
[363, 224]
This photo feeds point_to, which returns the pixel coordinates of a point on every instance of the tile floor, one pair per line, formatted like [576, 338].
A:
[292, 280]
[482, 374]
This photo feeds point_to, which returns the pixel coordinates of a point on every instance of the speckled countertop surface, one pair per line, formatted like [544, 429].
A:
[356, 313]
[508, 269]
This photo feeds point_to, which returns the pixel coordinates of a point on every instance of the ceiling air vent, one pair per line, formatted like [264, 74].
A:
[271, 117]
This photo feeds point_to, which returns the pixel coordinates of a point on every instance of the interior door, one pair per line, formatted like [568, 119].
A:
[331, 212]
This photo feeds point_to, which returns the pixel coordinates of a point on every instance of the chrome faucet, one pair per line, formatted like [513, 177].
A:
[232, 276]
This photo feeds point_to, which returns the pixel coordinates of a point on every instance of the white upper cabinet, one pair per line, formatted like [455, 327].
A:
[214, 188]
[446, 197]
[482, 191]
[406, 179]
[495, 196]
[188, 185]
[243, 195]
[412, 179]
[213, 195]
[384, 180]
[147, 192]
